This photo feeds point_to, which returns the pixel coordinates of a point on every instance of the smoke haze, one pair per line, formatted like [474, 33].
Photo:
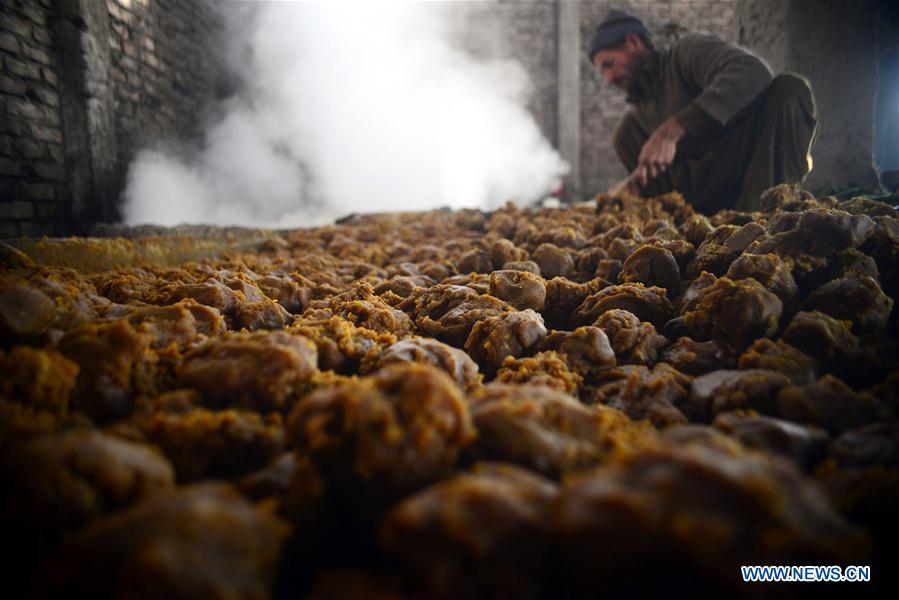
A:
[350, 107]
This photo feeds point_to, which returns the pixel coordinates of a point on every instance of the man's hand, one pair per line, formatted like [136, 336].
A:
[658, 152]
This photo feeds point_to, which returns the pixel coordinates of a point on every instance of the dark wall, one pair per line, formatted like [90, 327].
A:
[85, 84]
[33, 196]
[834, 45]
[886, 134]
[164, 66]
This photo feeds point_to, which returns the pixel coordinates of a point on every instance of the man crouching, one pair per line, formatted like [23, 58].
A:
[707, 120]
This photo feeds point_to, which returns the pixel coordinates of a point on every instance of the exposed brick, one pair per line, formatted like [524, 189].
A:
[9, 42]
[11, 85]
[10, 168]
[50, 171]
[47, 96]
[15, 127]
[22, 68]
[23, 108]
[39, 191]
[50, 76]
[31, 150]
[27, 229]
[125, 17]
[115, 11]
[51, 114]
[9, 230]
[36, 15]
[16, 25]
[128, 64]
[120, 29]
[132, 95]
[36, 54]
[48, 210]
[7, 190]
[54, 152]
[16, 210]
[47, 134]
[32, 111]
[42, 36]
[45, 228]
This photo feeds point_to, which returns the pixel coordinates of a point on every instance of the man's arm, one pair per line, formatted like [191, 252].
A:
[658, 152]
[729, 77]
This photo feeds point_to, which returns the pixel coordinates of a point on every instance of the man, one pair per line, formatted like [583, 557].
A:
[707, 120]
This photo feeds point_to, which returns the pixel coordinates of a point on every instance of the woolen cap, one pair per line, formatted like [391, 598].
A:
[614, 29]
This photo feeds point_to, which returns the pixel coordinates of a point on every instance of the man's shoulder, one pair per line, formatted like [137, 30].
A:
[692, 41]
[700, 47]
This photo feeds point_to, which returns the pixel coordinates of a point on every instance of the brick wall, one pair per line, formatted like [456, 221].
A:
[33, 197]
[602, 105]
[162, 71]
[164, 68]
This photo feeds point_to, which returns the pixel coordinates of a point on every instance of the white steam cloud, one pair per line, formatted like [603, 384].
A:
[351, 107]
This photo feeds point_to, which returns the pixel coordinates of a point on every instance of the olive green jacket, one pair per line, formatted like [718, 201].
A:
[701, 80]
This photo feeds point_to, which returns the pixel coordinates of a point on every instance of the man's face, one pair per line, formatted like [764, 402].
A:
[621, 66]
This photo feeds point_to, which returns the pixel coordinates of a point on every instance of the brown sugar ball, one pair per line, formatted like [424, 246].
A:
[634, 341]
[63, 481]
[259, 370]
[202, 540]
[693, 508]
[521, 289]
[553, 261]
[546, 368]
[586, 349]
[116, 364]
[385, 434]
[495, 338]
[452, 361]
[647, 303]
[735, 313]
[24, 311]
[548, 430]
[478, 534]
[651, 266]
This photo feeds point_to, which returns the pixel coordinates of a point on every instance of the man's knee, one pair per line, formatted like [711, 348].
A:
[627, 139]
[788, 88]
